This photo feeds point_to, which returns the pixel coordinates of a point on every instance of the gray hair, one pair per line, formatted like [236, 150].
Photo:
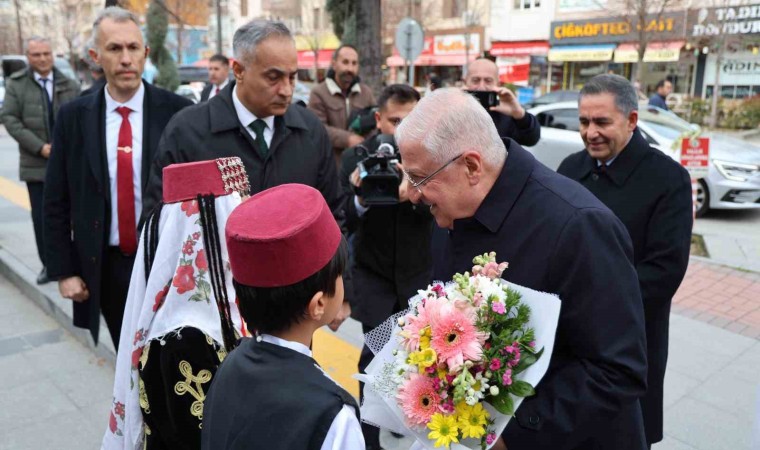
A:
[115, 13]
[626, 99]
[35, 39]
[449, 121]
[250, 35]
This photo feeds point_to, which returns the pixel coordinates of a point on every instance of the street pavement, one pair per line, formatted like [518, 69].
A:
[57, 386]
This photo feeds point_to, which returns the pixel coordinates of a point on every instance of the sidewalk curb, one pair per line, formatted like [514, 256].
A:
[748, 134]
[26, 281]
[712, 262]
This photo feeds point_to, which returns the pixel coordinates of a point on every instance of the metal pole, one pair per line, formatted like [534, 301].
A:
[410, 77]
[219, 26]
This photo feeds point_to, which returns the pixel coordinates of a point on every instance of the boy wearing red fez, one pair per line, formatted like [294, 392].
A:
[287, 257]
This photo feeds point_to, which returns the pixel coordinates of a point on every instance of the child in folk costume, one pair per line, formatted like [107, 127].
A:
[287, 257]
[180, 320]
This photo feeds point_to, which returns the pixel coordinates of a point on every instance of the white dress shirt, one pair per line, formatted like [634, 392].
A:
[212, 92]
[345, 433]
[48, 85]
[246, 118]
[113, 124]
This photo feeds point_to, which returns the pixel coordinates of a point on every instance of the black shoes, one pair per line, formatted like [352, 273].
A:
[42, 278]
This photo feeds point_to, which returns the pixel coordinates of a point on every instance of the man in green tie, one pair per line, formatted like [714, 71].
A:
[278, 143]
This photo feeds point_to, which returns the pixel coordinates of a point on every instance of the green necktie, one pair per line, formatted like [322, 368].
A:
[258, 126]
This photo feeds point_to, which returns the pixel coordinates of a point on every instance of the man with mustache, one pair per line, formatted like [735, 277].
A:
[104, 143]
[340, 95]
[251, 118]
[651, 194]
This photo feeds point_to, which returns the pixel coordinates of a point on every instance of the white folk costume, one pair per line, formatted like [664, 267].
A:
[180, 319]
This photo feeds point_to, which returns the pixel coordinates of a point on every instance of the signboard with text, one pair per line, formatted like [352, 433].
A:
[695, 156]
[670, 26]
[735, 20]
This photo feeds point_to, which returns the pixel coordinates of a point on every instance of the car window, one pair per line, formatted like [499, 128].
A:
[563, 119]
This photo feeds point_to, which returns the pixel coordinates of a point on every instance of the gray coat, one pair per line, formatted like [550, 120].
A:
[25, 113]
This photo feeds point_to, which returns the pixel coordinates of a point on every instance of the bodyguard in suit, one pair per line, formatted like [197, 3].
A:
[492, 195]
[104, 144]
[651, 194]
[218, 77]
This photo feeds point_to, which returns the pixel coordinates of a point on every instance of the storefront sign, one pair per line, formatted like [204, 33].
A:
[735, 69]
[527, 48]
[514, 70]
[655, 52]
[616, 29]
[581, 53]
[455, 44]
[737, 20]
[695, 156]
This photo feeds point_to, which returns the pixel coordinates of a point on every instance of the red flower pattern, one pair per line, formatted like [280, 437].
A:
[187, 247]
[160, 297]
[119, 409]
[183, 279]
[190, 207]
[196, 235]
[136, 354]
[200, 261]
[112, 423]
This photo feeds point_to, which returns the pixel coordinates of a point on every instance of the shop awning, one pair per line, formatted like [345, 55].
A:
[655, 52]
[306, 59]
[431, 60]
[564, 53]
[525, 48]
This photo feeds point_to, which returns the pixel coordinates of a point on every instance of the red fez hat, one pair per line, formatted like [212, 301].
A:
[281, 236]
[219, 177]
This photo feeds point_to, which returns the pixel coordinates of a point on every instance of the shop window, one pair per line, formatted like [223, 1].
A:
[527, 4]
[755, 90]
[452, 8]
[742, 92]
[708, 91]
[727, 91]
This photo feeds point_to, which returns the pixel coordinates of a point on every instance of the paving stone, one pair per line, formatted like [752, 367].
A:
[64, 431]
[671, 443]
[705, 427]
[712, 340]
[729, 393]
[677, 386]
[32, 402]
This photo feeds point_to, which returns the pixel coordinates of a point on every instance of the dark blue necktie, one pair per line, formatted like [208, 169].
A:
[49, 103]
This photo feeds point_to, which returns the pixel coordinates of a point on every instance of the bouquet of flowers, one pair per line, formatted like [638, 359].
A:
[454, 367]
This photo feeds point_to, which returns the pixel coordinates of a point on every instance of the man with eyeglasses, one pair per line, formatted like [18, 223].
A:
[488, 194]
[391, 243]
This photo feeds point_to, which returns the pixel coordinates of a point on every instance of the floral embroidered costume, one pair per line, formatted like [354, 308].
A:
[180, 319]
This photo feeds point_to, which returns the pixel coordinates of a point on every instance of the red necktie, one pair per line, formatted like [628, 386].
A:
[125, 202]
[217, 91]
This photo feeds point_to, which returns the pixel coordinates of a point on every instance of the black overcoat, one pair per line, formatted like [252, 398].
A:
[300, 151]
[391, 250]
[559, 238]
[77, 189]
[651, 194]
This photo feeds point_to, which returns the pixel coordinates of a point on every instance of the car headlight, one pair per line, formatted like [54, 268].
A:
[736, 171]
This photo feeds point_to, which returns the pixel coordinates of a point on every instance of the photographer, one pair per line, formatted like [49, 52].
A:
[508, 115]
[391, 242]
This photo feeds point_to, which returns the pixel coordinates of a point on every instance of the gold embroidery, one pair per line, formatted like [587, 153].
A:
[221, 353]
[182, 387]
[144, 355]
[143, 397]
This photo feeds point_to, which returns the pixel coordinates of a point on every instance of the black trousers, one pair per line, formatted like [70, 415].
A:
[371, 434]
[35, 199]
[117, 271]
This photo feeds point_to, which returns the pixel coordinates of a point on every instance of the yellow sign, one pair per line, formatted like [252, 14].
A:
[590, 54]
[323, 42]
[662, 54]
[626, 55]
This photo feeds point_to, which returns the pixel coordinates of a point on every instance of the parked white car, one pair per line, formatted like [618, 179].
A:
[733, 180]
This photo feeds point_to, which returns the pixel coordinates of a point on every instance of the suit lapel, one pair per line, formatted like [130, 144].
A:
[95, 149]
[150, 136]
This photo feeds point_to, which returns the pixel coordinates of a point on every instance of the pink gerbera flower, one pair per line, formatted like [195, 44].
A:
[419, 399]
[414, 324]
[454, 336]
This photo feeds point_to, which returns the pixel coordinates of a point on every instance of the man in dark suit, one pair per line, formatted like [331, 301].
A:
[510, 118]
[651, 194]
[662, 90]
[104, 145]
[218, 77]
[252, 119]
[491, 195]
[391, 245]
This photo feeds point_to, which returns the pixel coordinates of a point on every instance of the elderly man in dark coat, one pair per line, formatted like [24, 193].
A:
[651, 194]
[96, 178]
[252, 119]
[491, 195]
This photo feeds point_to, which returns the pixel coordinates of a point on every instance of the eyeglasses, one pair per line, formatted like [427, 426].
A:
[418, 185]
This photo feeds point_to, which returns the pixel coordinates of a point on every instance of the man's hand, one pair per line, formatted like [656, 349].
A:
[355, 140]
[403, 188]
[343, 314]
[499, 444]
[356, 180]
[73, 288]
[45, 152]
[508, 104]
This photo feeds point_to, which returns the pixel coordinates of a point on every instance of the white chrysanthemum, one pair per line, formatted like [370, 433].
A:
[492, 289]
[472, 401]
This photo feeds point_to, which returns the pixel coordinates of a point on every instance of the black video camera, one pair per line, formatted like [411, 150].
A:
[379, 174]
[486, 98]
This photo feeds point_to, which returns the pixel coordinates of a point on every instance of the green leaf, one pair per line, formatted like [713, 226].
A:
[527, 360]
[503, 403]
[522, 389]
[197, 297]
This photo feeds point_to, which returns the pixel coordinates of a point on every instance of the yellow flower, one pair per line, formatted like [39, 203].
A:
[442, 373]
[472, 420]
[425, 335]
[428, 357]
[443, 429]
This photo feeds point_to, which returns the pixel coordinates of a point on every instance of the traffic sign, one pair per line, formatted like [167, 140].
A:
[410, 39]
[695, 156]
